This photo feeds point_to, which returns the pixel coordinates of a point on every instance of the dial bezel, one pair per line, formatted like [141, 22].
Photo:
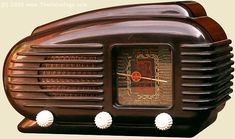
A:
[114, 76]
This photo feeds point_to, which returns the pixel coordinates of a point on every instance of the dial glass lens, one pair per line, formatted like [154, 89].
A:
[143, 75]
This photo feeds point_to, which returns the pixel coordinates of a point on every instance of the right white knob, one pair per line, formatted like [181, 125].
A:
[163, 121]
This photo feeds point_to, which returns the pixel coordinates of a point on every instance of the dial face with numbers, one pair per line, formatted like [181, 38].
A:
[143, 76]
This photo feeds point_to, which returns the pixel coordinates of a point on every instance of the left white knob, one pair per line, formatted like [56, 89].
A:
[44, 118]
[103, 120]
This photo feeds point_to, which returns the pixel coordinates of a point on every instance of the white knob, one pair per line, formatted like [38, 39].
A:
[44, 118]
[103, 120]
[163, 121]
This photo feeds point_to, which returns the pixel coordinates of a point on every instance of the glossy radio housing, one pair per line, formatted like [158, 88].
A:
[67, 67]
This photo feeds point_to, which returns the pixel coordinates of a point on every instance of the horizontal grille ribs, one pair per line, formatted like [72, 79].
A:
[59, 72]
[206, 75]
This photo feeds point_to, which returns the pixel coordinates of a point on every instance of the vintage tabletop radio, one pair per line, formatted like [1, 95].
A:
[147, 69]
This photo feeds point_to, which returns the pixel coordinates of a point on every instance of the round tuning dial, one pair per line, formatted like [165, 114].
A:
[103, 120]
[44, 118]
[163, 121]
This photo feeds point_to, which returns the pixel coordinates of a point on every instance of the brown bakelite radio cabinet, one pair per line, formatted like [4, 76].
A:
[147, 69]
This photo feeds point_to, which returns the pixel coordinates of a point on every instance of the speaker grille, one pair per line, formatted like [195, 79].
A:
[58, 72]
[206, 74]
